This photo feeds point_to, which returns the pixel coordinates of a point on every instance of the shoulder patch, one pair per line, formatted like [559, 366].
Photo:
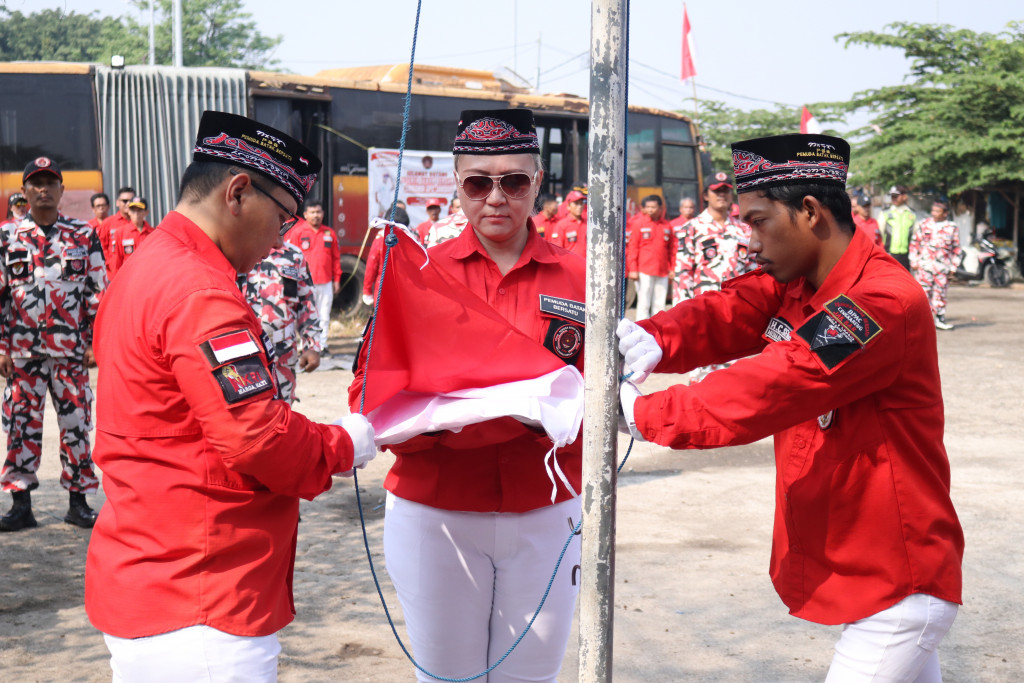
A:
[291, 272]
[243, 378]
[566, 309]
[228, 347]
[853, 318]
[778, 329]
[829, 339]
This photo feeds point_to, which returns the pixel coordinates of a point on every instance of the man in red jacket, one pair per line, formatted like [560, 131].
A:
[319, 245]
[650, 253]
[107, 230]
[571, 232]
[189, 570]
[129, 238]
[845, 374]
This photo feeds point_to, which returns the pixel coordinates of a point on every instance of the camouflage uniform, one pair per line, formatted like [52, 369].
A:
[934, 251]
[447, 228]
[50, 289]
[280, 291]
[707, 255]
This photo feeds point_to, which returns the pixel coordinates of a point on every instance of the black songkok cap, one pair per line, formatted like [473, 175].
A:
[234, 139]
[496, 131]
[790, 160]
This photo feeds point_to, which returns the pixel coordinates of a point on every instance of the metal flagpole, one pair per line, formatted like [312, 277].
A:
[608, 54]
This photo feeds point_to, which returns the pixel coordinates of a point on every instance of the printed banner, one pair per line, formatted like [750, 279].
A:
[427, 177]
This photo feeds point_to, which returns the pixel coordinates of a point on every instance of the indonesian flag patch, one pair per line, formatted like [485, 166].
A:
[238, 367]
[228, 347]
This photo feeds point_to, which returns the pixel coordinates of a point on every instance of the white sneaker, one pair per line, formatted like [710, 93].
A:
[941, 324]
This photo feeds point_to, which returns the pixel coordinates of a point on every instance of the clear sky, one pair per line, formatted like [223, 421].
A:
[761, 52]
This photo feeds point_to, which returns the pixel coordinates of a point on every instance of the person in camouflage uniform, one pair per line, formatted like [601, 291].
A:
[934, 252]
[51, 276]
[280, 291]
[711, 248]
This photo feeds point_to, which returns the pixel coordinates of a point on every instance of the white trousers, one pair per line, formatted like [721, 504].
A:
[651, 293]
[897, 645]
[193, 654]
[323, 299]
[469, 583]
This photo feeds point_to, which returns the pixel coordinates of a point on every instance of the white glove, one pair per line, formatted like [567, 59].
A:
[638, 348]
[628, 394]
[368, 299]
[361, 432]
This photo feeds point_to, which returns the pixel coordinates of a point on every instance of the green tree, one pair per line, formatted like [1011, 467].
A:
[722, 125]
[55, 35]
[214, 33]
[957, 121]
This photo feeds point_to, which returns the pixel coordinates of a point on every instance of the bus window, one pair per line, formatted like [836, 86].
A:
[678, 162]
[675, 131]
[34, 121]
[641, 150]
[676, 191]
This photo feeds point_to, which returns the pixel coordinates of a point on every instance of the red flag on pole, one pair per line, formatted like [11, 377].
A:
[809, 124]
[688, 68]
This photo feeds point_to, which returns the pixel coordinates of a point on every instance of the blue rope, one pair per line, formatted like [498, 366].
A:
[390, 241]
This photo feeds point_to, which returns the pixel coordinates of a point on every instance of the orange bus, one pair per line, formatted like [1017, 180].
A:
[135, 126]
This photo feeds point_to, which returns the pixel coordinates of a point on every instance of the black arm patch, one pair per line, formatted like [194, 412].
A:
[831, 341]
[565, 340]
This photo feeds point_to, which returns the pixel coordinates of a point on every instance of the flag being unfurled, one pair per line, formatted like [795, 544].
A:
[809, 124]
[688, 68]
[442, 358]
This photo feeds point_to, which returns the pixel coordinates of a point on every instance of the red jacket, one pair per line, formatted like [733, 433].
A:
[545, 226]
[107, 233]
[124, 243]
[570, 233]
[203, 467]
[374, 259]
[497, 465]
[320, 247]
[847, 379]
[651, 247]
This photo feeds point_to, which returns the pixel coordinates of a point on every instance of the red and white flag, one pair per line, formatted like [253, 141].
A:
[688, 68]
[809, 124]
[441, 359]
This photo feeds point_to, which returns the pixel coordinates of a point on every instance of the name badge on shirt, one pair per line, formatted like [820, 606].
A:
[568, 309]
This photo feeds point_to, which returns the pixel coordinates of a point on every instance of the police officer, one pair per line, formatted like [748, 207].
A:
[204, 465]
[846, 377]
[280, 292]
[50, 283]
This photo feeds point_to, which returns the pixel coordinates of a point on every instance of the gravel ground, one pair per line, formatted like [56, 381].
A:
[692, 595]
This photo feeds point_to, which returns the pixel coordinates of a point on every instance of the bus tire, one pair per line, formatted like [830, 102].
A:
[349, 301]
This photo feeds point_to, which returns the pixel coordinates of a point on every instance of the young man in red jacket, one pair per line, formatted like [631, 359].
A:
[203, 463]
[650, 253]
[844, 372]
[319, 245]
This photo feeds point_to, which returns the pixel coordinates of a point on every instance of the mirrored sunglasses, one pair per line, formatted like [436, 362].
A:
[514, 185]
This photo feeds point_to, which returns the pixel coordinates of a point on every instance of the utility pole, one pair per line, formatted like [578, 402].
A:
[152, 32]
[178, 60]
[608, 27]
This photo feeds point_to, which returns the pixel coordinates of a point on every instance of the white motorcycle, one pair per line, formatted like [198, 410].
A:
[984, 260]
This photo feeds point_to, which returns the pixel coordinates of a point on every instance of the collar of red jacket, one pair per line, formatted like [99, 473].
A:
[845, 273]
[536, 248]
[198, 241]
